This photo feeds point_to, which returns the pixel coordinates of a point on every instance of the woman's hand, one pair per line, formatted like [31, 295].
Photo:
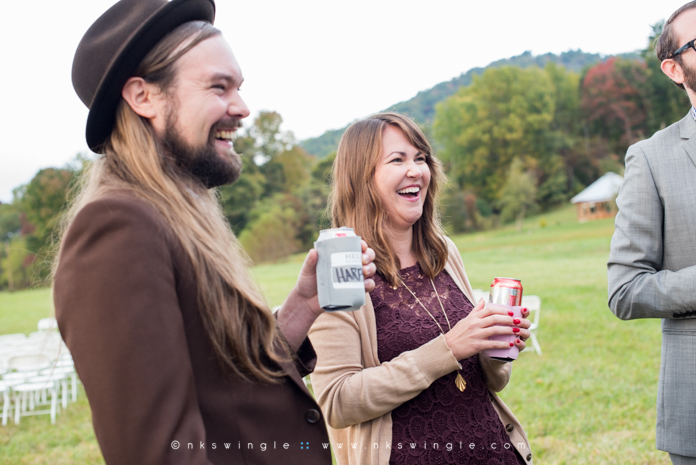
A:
[470, 335]
[521, 341]
[369, 268]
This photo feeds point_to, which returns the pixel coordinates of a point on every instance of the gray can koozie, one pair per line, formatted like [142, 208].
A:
[340, 282]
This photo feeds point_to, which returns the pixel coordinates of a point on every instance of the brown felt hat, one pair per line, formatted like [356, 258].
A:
[113, 47]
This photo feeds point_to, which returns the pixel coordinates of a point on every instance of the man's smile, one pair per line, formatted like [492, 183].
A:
[226, 135]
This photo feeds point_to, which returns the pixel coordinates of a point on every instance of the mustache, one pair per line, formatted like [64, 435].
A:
[227, 124]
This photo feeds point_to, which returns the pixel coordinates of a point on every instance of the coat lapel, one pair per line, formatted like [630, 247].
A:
[291, 370]
[687, 129]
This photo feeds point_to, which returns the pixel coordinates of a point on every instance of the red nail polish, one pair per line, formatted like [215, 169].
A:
[511, 314]
[518, 341]
[515, 330]
[516, 321]
[525, 310]
[511, 344]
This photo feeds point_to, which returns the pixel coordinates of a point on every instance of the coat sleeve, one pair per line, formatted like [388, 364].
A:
[348, 392]
[497, 373]
[638, 286]
[117, 310]
[305, 358]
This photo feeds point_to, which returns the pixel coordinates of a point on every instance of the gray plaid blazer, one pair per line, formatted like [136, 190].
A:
[652, 268]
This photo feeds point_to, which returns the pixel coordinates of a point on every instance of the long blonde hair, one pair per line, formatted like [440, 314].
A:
[236, 318]
[355, 202]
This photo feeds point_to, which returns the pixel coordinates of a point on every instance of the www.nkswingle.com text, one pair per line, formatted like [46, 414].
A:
[275, 445]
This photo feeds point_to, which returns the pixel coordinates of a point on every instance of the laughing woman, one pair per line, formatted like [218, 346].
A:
[405, 379]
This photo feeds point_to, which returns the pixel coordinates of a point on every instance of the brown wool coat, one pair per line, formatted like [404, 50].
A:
[357, 392]
[126, 306]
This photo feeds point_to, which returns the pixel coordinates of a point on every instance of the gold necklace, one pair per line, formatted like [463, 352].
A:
[459, 380]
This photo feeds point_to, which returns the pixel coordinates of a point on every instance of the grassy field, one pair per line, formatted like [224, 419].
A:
[21, 310]
[590, 399]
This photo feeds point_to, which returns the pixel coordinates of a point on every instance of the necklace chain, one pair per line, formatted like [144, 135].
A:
[459, 380]
[428, 311]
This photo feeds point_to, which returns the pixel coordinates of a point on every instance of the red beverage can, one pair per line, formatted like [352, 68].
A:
[506, 291]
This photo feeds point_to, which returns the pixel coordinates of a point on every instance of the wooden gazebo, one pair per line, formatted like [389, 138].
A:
[598, 200]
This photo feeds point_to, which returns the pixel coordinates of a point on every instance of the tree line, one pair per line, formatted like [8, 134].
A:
[519, 140]
[514, 141]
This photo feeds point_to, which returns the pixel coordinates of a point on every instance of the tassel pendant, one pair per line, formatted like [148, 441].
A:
[459, 381]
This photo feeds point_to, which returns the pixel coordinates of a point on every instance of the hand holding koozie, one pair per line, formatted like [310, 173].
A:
[340, 281]
[509, 354]
[507, 292]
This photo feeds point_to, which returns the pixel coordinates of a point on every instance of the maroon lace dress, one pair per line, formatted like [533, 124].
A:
[441, 425]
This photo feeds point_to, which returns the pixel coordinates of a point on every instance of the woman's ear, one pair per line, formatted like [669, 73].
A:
[141, 96]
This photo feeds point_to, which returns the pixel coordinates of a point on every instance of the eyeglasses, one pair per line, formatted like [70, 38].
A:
[685, 47]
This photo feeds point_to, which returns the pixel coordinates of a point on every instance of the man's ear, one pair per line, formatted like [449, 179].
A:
[141, 96]
[673, 70]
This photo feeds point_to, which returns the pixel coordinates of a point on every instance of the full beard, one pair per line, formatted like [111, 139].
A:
[204, 163]
[689, 76]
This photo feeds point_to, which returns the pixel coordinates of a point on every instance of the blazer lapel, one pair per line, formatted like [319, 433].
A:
[291, 370]
[687, 126]
[687, 129]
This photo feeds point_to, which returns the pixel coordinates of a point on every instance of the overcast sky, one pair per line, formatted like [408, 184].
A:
[320, 64]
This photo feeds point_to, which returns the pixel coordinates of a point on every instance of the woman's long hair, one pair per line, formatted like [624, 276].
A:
[355, 202]
[236, 318]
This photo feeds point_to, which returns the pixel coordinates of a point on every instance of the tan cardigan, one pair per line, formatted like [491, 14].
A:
[357, 393]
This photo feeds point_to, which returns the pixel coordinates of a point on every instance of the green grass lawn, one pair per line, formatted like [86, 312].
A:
[21, 310]
[35, 441]
[590, 399]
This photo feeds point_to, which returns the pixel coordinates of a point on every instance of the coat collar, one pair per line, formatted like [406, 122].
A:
[687, 126]
[290, 368]
[292, 373]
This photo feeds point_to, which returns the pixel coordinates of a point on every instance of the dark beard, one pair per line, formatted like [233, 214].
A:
[689, 76]
[203, 163]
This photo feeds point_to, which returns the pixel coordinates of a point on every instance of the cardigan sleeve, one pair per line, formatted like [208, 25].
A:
[348, 392]
[497, 373]
[118, 312]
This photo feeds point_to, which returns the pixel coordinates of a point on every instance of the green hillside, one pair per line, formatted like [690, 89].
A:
[422, 107]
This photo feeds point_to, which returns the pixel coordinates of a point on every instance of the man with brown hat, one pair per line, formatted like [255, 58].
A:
[180, 357]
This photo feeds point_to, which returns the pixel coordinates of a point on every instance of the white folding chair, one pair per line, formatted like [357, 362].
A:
[67, 368]
[5, 391]
[533, 304]
[20, 377]
[13, 336]
[46, 324]
[27, 393]
[29, 362]
[12, 339]
[57, 380]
